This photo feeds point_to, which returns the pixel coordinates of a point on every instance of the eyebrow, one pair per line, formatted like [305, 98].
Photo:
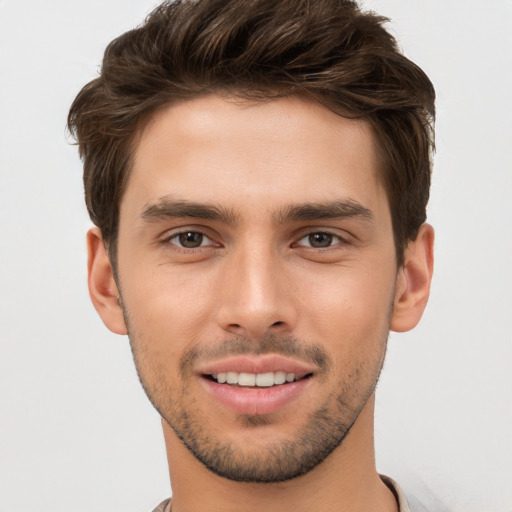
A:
[327, 210]
[166, 209]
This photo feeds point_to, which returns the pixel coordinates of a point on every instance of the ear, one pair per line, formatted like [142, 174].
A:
[102, 286]
[413, 281]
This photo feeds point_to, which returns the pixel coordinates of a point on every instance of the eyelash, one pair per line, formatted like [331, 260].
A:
[169, 240]
[340, 239]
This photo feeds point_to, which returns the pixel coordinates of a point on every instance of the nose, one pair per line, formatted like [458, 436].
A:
[256, 295]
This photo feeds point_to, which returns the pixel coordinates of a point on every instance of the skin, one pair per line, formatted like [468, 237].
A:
[258, 277]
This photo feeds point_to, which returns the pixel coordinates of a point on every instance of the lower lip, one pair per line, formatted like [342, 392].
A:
[256, 401]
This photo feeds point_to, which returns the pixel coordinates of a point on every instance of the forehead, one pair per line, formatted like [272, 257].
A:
[261, 155]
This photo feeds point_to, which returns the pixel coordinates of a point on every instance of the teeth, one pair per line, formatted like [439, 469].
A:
[232, 378]
[263, 380]
[246, 379]
[280, 377]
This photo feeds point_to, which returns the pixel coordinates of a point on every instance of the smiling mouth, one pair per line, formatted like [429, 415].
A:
[262, 380]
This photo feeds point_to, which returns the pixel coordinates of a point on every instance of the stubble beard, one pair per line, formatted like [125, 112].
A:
[322, 432]
[279, 461]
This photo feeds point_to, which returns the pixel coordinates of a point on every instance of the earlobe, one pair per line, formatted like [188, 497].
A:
[413, 281]
[102, 286]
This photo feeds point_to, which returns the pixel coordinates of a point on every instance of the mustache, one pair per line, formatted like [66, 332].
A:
[269, 344]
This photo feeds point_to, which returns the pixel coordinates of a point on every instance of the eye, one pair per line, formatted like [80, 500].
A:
[190, 240]
[319, 240]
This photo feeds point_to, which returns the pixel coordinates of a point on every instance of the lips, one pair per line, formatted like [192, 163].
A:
[256, 385]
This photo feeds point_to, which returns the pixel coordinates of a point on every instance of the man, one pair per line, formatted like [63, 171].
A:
[258, 173]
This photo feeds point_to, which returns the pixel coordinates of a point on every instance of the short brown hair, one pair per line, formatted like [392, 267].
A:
[328, 50]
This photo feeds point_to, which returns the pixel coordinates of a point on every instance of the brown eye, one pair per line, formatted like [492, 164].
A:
[320, 240]
[190, 240]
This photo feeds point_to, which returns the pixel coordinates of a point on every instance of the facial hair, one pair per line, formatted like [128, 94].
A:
[321, 433]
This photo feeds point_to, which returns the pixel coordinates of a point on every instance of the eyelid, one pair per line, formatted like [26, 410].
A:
[204, 241]
[341, 240]
[171, 234]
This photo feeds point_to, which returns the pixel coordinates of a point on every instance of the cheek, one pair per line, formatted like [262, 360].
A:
[163, 316]
[168, 305]
[350, 312]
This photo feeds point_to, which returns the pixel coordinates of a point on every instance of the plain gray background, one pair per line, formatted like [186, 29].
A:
[76, 431]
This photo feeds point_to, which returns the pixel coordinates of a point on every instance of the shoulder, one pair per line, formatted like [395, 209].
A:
[403, 505]
[165, 506]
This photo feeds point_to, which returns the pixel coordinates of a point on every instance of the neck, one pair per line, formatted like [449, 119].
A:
[345, 480]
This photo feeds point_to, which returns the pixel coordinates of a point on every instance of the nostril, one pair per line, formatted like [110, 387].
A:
[277, 324]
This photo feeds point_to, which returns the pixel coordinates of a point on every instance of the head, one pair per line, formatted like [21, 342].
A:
[259, 173]
[328, 51]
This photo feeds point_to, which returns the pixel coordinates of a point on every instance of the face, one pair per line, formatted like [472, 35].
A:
[257, 276]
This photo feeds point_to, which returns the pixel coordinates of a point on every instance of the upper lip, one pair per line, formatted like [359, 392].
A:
[256, 364]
